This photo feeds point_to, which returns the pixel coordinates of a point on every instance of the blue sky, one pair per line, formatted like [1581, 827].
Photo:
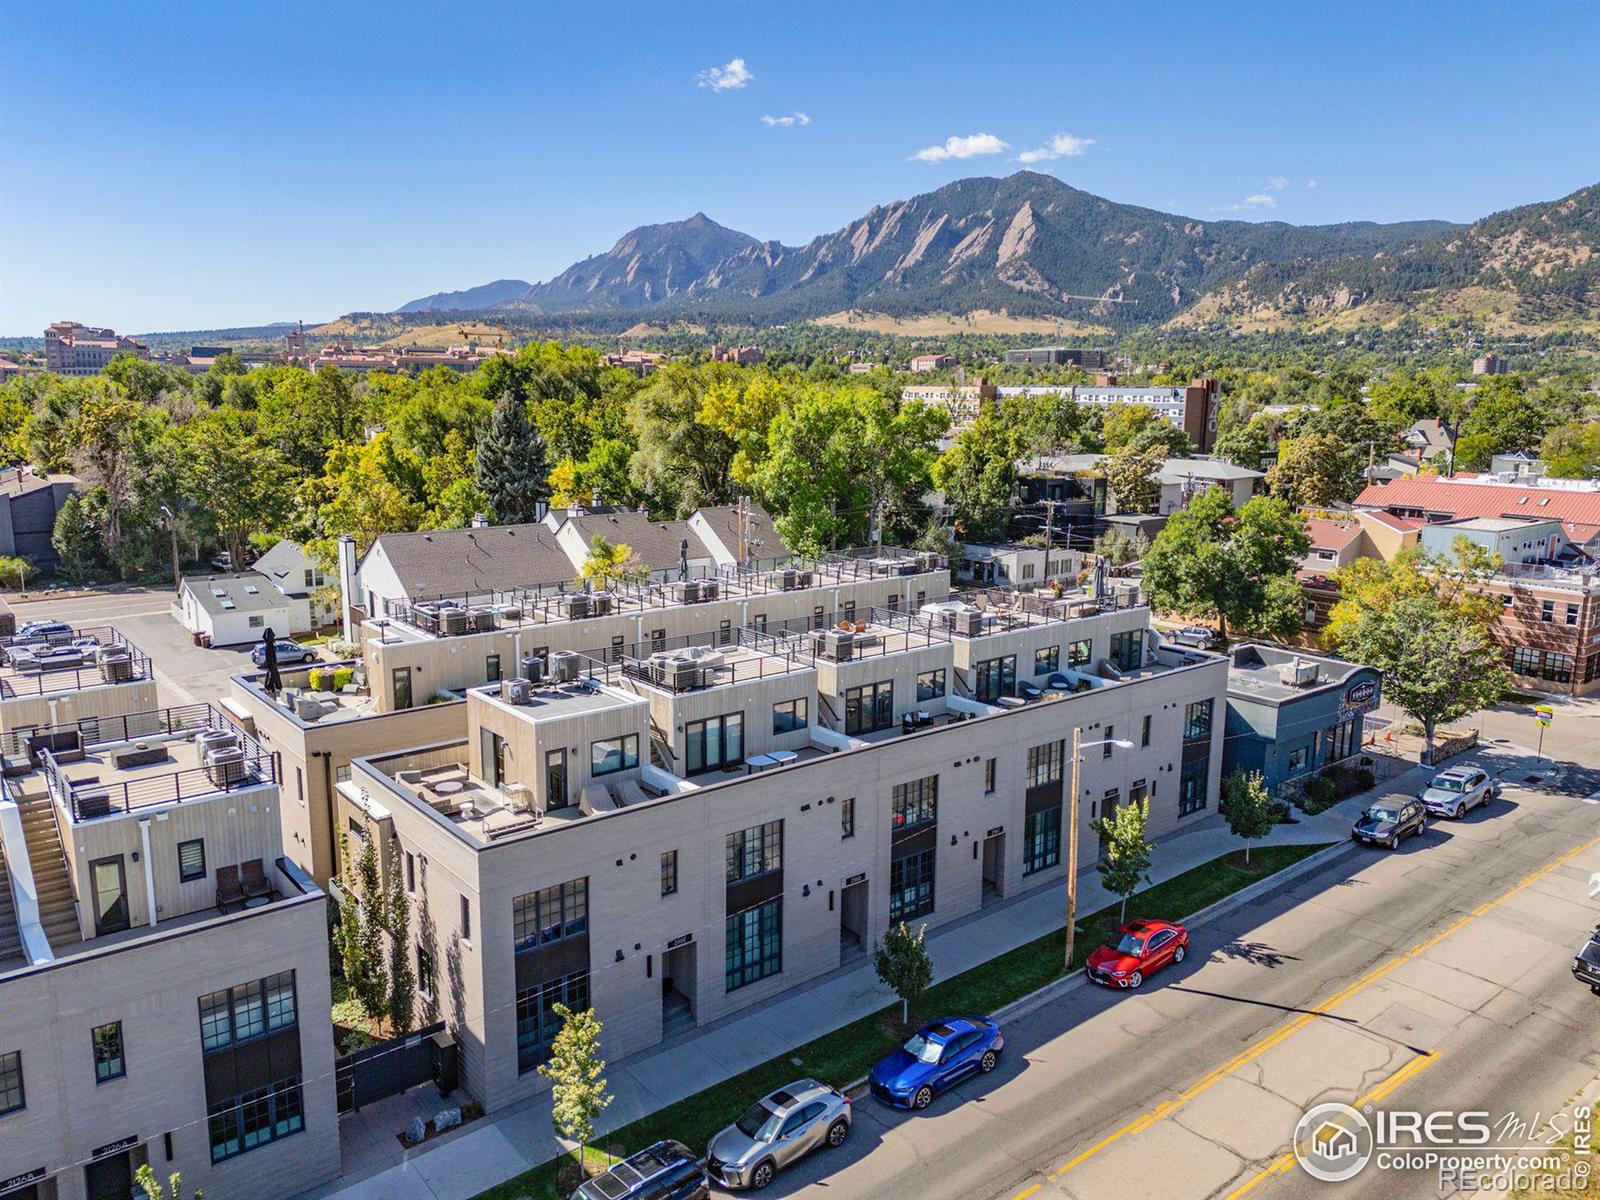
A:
[172, 166]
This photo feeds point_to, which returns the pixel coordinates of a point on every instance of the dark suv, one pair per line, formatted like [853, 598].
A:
[664, 1171]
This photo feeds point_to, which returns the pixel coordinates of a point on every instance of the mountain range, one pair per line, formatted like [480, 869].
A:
[1031, 245]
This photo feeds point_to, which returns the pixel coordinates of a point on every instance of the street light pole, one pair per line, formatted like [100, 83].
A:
[172, 524]
[1072, 848]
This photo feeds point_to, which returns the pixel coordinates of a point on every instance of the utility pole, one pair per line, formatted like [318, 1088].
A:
[1072, 848]
[1049, 522]
[172, 524]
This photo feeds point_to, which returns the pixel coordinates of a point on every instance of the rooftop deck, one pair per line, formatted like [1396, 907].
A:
[90, 656]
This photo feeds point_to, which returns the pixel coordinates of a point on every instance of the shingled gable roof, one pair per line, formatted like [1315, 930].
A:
[655, 543]
[723, 521]
[1332, 535]
[1578, 511]
[446, 562]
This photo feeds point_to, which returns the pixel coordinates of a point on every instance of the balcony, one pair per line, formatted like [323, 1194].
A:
[88, 657]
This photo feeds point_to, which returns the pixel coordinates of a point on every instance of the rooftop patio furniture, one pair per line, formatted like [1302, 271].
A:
[254, 881]
[91, 805]
[140, 755]
[230, 894]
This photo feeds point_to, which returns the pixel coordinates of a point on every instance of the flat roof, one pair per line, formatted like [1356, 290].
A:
[1255, 672]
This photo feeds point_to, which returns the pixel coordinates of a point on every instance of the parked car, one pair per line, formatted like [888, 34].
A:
[936, 1057]
[1387, 821]
[664, 1171]
[1586, 963]
[1455, 791]
[288, 653]
[1201, 637]
[778, 1130]
[45, 631]
[1135, 952]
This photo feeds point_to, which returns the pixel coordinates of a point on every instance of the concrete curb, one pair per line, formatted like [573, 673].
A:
[1038, 998]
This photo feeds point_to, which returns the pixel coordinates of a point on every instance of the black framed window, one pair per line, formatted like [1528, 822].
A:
[714, 743]
[847, 817]
[466, 919]
[1192, 786]
[996, 677]
[1079, 653]
[537, 1019]
[491, 667]
[754, 851]
[191, 860]
[1111, 733]
[911, 886]
[109, 1063]
[754, 944]
[247, 1011]
[1127, 649]
[12, 1095]
[255, 1118]
[424, 968]
[1144, 732]
[669, 872]
[1197, 721]
[869, 708]
[1524, 660]
[990, 769]
[1044, 762]
[1041, 840]
[790, 716]
[1047, 660]
[556, 792]
[609, 755]
[930, 685]
[551, 914]
[915, 803]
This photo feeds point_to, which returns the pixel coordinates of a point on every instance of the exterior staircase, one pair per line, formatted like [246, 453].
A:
[57, 911]
[10, 939]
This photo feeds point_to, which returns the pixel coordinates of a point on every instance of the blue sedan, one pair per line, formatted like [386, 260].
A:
[936, 1057]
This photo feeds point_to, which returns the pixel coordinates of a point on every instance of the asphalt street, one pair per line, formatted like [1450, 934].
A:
[1436, 976]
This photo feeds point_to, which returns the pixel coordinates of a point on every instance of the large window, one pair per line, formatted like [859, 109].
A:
[789, 716]
[242, 1013]
[755, 851]
[108, 1061]
[1079, 653]
[1547, 664]
[996, 677]
[669, 872]
[1047, 660]
[552, 914]
[1197, 721]
[1044, 763]
[870, 708]
[1127, 650]
[911, 886]
[713, 744]
[847, 817]
[12, 1096]
[1041, 840]
[537, 1019]
[610, 755]
[914, 804]
[255, 1118]
[930, 685]
[1524, 660]
[1192, 786]
[754, 944]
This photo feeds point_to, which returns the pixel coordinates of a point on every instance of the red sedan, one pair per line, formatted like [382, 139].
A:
[1136, 951]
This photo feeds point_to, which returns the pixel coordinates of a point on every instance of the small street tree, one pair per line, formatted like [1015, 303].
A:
[578, 1093]
[1133, 478]
[402, 982]
[362, 928]
[512, 468]
[902, 963]
[1125, 862]
[1247, 807]
[151, 1186]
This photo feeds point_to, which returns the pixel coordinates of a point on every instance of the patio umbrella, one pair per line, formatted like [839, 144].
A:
[269, 642]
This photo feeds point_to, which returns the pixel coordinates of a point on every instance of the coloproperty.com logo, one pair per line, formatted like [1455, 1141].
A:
[1469, 1151]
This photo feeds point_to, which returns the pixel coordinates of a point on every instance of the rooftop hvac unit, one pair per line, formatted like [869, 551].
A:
[577, 606]
[215, 739]
[225, 766]
[680, 676]
[1299, 673]
[481, 620]
[566, 665]
[452, 621]
[307, 709]
[838, 645]
[533, 668]
[803, 579]
[927, 561]
[516, 690]
[511, 612]
[600, 604]
[708, 589]
[787, 579]
[967, 623]
[116, 670]
[685, 591]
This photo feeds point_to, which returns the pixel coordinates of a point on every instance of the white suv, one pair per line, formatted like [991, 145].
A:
[1455, 791]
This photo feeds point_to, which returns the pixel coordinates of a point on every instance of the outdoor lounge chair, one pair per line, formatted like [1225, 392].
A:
[229, 893]
[254, 880]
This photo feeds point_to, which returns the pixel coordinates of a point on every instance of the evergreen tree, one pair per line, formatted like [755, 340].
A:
[513, 470]
[1125, 863]
[362, 930]
[578, 1093]
[76, 539]
[902, 963]
[402, 983]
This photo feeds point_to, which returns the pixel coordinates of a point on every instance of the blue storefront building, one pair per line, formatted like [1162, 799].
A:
[1292, 713]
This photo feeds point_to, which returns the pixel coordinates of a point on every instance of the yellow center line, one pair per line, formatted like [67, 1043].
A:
[1260, 1047]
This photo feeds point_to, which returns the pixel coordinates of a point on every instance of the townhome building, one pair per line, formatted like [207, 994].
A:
[711, 813]
[164, 982]
[54, 673]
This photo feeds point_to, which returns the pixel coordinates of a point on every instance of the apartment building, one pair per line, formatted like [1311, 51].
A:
[1080, 477]
[74, 349]
[70, 674]
[921, 364]
[164, 983]
[679, 827]
[1192, 408]
[1059, 356]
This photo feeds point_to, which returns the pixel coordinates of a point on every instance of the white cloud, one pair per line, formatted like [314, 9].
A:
[1259, 200]
[720, 79]
[962, 147]
[1277, 183]
[1311, 183]
[1062, 145]
[795, 118]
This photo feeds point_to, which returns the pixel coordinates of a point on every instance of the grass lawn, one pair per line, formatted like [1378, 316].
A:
[847, 1053]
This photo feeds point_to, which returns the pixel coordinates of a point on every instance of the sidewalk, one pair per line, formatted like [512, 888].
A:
[519, 1137]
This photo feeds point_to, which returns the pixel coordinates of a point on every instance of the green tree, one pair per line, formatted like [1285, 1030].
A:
[239, 486]
[1502, 418]
[513, 471]
[1139, 428]
[1439, 662]
[682, 463]
[1247, 807]
[903, 966]
[14, 571]
[575, 1071]
[1248, 443]
[1119, 548]
[363, 928]
[1125, 851]
[1236, 565]
[402, 982]
[1133, 478]
[76, 540]
[146, 1179]
[978, 475]
[1314, 471]
[1572, 451]
[611, 563]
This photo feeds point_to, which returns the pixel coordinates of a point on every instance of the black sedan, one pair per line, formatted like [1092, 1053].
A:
[1387, 821]
[1586, 964]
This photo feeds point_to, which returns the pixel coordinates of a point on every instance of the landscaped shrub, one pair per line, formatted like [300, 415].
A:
[317, 679]
[342, 676]
[1318, 794]
[1348, 780]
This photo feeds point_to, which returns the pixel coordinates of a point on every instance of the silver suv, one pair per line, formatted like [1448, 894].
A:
[778, 1130]
[1454, 791]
